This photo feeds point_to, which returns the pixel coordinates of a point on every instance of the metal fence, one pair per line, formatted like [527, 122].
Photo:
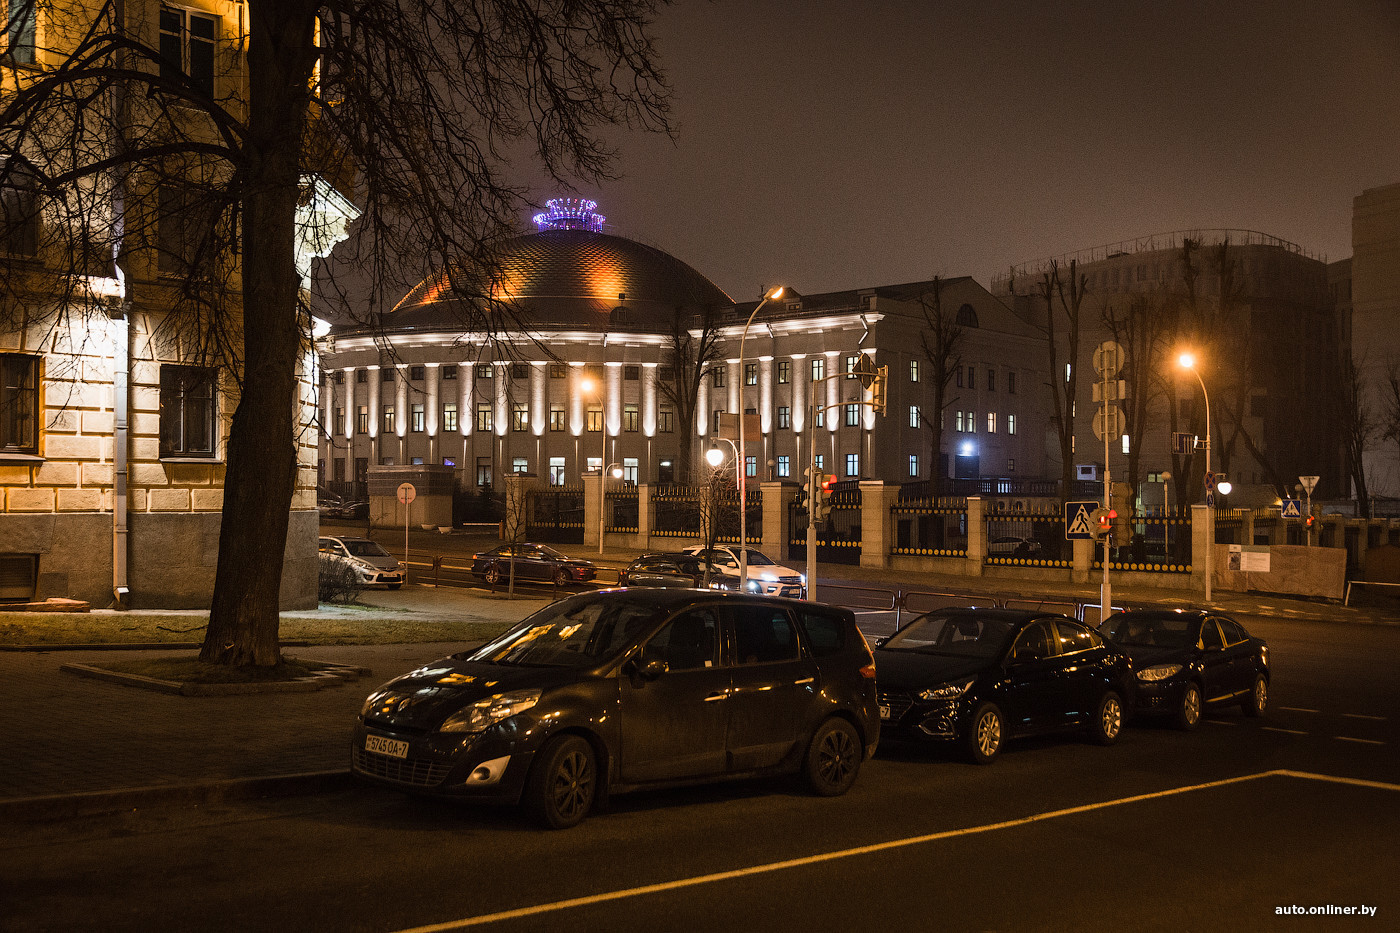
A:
[838, 538]
[555, 515]
[1033, 537]
[621, 511]
[1155, 542]
[678, 512]
[930, 527]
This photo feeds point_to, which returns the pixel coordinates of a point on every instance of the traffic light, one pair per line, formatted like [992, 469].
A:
[821, 505]
[1102, 521]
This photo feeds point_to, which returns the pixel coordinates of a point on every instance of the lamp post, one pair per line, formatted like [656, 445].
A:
[714, 457]
[743, 468]
[1187, 361]
[1167, 515]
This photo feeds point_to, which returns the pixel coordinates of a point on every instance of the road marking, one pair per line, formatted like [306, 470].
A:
[1298, 709]
[1289, 731]
[1220, 722]
[1347, 738]
[555, 906]
[1363, 716]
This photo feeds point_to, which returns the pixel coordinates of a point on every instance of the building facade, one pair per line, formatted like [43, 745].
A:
[573, 379]
[1375, 326]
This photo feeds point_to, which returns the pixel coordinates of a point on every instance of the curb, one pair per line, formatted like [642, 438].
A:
[332, 676]
[66, 806]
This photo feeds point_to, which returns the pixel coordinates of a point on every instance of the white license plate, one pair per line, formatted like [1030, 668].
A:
[394, 748]
[884, 712]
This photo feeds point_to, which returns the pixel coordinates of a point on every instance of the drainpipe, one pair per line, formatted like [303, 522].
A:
[121, 352]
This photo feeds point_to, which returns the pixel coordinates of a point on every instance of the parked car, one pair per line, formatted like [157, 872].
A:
[355, 509]
[612, 690]
[327, 503]
[981, 676]
[532, 562]
[373, 564]
[1013, 546]
[765, 576]
[1186, 660]
[686, 570]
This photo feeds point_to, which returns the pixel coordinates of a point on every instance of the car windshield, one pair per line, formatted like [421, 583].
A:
[954, 635]
[756, 559]
[570, 633]
[365, 549]
[1172, 631]
[547, 551]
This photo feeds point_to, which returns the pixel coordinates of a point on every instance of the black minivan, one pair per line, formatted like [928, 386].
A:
[622, 689]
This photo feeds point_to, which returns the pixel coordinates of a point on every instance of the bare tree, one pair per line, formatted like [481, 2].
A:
[941, 341]
[1359, 428]
[1138, 329]
[424, 108]
[693, 345]
[1062, 344]
[1389, 418]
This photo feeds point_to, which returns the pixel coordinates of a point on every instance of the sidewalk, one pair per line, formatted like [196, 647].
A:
[75, 743]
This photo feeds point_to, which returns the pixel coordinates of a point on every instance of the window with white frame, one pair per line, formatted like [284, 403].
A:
[818, 368]
[520, 464]
[913, 370]
[784, 372]
[784, 417]
[449, 416]
[852, 416]
[556, 417]
[629, 470]
[913, 464]
[750, 465]
[852, 464]
[417, 417]
[913, 416]
[1010, 424]
[750, 374]
[991, 422]
[556, 471]
[784, 466]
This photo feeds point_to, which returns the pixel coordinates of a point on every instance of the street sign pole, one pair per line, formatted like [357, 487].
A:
[1308, 483]
[406, 495]
[1108, 359]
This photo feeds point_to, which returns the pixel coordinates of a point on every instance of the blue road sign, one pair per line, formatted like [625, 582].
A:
[1078, 520]
[1292, 508]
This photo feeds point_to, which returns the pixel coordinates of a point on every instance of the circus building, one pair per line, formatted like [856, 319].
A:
[580, 372]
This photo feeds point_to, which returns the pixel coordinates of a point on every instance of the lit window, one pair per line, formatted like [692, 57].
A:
[959, 423]
[851, 367]
[595, 420]
[913, 416]
[631, 418]
[913, 370]
[820, 418]
[784, 466]
[666, 421]
[1010, 424]
[1125, 444]
[784, 417]
[520, 465]
[913, 464]
[784, 372]
[448, 373]
[556, 471]
[556, 418]
[820, 460]
[187, 415]
[971, 422]
[1011, 465]
[818, 369]
[991, 422]
[388, 426]
[362, 420]
[187, 47]
[449, 416]
[19, 403]
[485, 371]
[852, 416]
[629, 470]
[416, 415]
[852, 464]
[520, 417]
[750, 374]
[483, 417]
[558, 371]
[750, 465]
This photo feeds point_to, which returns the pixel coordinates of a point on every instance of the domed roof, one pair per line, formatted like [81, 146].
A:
[565, 276]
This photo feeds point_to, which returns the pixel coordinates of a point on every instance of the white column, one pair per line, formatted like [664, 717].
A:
[736, 387]
[502, 415]
[539, 407]
[649, 405]
[801, 378]
[431, 375]
[466, 418]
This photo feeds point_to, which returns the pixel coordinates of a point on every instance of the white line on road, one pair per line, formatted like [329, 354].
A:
[1347, 738]
[1363, 716]
[483, 919]
[1289, 731]
[1298, 709]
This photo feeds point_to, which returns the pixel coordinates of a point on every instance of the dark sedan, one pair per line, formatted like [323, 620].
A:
[680, 570]
[980, 676]
[532, 562]
[627, 688]
[1186, 660]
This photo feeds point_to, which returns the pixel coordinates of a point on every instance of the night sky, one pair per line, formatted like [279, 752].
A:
[828, 145]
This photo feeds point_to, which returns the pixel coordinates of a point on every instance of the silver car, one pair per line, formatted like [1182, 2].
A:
[373, 564]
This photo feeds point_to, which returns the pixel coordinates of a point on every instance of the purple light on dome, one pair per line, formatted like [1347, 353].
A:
[570, 214]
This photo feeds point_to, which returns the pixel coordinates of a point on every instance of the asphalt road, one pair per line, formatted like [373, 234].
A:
[1216, 829]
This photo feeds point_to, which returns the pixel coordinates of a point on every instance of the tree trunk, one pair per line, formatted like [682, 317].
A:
[262, 450]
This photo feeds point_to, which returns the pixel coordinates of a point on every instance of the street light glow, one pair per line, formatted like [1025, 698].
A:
[1187, 360]
[714, 456]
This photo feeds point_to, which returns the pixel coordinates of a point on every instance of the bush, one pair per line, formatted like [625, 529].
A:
[337, 581]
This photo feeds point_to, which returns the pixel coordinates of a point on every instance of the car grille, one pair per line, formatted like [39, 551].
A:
[418, 773]
[789, 579]
[898, 704]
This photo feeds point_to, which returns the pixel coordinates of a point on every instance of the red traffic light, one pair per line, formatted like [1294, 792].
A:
[829, 484]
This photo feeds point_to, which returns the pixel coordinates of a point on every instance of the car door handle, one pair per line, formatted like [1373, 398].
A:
[804, 680]
[717, 696]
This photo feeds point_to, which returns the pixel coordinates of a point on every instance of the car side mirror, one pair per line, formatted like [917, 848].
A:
[639, 670]
[1026, 655]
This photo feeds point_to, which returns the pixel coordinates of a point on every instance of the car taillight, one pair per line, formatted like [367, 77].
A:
[868, 671]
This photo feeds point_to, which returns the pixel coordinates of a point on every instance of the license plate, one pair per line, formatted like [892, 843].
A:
[884, 712]
[382, 746]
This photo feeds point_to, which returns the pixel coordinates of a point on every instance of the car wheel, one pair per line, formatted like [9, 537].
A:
[1107, 723]
[563, 782]
[1188, 711]
[1257, 700]
[493, 574]
[561, 577]
[833, 758]
[394, 586]
[985, 732]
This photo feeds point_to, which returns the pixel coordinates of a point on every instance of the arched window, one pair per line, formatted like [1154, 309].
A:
[967, 316]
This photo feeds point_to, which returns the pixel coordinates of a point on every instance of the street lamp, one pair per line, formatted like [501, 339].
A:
[774, 295]
[715, 457]
[1187, 361]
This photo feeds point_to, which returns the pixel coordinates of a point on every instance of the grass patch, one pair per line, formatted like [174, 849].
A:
[115, 629]
[195, 671]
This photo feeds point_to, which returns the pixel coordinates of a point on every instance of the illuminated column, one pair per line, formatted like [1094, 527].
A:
[401, 411]
[466, 418]
[736, 387]
[430, 415]
[577, 403]
[801, 377]
[833, 392]
[867, 395]
[502, 415]
[765, 393]
[649, 407]
[349, 405]
[375, 416]
[702, 409]
[539, 406]
[612, 422]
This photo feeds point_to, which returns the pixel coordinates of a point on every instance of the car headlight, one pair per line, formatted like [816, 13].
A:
[768, 577]
[948, 691]
[488, 712]
[803, 578]
[1158, 672]
[755, 586]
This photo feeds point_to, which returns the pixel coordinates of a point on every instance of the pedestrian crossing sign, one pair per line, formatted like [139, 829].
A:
[1078, 520]
[1292, 508]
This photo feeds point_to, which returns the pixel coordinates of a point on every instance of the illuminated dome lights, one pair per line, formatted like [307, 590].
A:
[570, 214]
